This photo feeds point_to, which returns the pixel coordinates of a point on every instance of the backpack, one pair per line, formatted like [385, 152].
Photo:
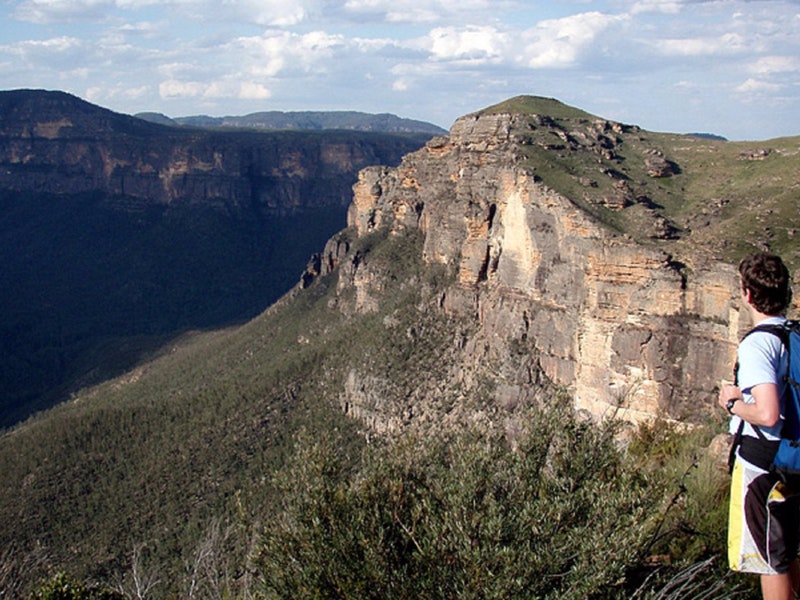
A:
[785, 454]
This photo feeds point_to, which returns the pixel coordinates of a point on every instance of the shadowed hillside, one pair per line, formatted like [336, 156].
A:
[116, 233]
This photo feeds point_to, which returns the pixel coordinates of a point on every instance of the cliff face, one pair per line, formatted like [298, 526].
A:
[543, 291]
[55, 143]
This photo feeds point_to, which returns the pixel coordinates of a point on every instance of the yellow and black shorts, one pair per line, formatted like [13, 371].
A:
[764, 521]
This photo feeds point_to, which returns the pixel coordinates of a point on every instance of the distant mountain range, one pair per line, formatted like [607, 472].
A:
[313, 120]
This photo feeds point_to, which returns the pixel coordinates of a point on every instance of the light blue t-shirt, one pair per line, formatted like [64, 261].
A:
[762, 359]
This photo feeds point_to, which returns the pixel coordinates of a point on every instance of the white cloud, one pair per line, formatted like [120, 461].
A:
[473, 43]
[102, 94]
[55, 11]
[393, 12]
[418, 15]
[143, 28]
[371, 45]
[673, 7]
[728, 43]
[552, 43]
[52, 54]
[247, 68]
[228, 88]
[561, 42]
[423, 11]
[95, 93]
[78, 74]
[54, 45]
[775, 64]
[139, 4]
[181, 89]
[279, 51]
[278, 13]
[668, 7]
[136, 92]
[755, 86]
[250, 90]
[432, 59]
[174, 70]
[272, 13]
[770, 97]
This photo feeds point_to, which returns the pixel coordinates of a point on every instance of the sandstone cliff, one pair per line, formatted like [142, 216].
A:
[51, 142]
[544, 289]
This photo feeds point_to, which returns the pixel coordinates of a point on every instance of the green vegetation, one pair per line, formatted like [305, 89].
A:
[194, 470]
[120, 234]
[738, 196]
[91, 305]
[692, 195]
[537, 105]
[564, 514]
[63, 587]
[150, 459]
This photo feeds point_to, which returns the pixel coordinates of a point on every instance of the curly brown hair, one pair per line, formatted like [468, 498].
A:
[769, 282]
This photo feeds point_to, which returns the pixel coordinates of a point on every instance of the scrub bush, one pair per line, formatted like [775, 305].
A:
[63, 587]
[561, 514]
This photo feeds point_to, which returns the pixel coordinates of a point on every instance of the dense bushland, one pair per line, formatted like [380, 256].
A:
[98, 289]
[563, 510]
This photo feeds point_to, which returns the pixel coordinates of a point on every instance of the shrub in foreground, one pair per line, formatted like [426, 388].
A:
[562, 514]
[63, 587]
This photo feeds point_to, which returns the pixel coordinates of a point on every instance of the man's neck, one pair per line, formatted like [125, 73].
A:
[757, 317]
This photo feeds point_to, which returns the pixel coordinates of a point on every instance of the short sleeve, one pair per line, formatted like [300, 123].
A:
[762, 359]
[760, 356]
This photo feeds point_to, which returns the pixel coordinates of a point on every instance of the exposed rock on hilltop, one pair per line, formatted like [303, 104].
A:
[571, 263]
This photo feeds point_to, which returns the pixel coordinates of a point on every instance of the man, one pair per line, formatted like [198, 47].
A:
[764, 515]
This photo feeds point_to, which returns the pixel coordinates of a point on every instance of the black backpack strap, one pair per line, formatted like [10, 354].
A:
[737, 441]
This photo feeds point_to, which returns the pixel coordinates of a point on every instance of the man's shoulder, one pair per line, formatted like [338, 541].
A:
[768, 329]
[766, 340]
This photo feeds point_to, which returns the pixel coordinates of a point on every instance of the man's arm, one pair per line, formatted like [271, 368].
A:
[765, 411]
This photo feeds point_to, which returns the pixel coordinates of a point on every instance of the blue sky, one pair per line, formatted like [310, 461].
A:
[729, 67]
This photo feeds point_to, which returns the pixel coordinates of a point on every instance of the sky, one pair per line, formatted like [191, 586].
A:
[728, 67]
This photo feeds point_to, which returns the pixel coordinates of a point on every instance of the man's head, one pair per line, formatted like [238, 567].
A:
[767, 280]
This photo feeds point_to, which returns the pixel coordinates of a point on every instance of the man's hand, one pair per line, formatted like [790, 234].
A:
[728, 392]
[764, 410]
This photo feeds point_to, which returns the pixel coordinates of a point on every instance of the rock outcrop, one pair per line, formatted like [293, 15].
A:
[549, 292]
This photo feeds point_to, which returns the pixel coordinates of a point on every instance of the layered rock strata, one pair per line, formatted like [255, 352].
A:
[626, 327]
[54, 143]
